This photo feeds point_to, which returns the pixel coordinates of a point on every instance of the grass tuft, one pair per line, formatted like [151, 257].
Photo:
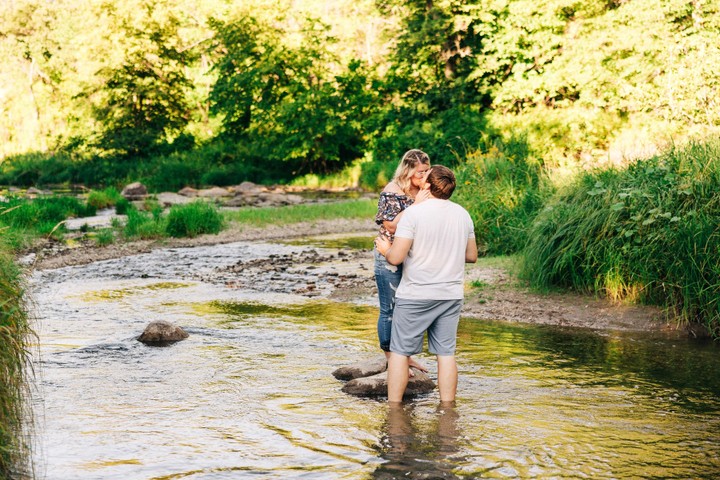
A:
[193, 219]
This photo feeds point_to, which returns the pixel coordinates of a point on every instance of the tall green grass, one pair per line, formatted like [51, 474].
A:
[503, 186]
[363, 208]
[648, 233]
[15, 415]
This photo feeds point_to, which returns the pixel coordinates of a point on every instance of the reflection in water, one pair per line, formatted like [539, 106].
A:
[413, 450]
[250, 394]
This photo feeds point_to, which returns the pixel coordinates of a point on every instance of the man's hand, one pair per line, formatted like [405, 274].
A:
[382, 244]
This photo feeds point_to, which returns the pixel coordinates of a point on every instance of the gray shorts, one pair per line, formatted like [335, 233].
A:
[411, 318]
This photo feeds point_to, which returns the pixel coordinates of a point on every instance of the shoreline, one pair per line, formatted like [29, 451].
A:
[501, 297]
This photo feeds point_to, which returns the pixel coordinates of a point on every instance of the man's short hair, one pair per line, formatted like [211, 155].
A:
[442, 182]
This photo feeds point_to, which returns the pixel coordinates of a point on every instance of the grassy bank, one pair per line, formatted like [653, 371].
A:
[302, 213]
[648, 233]
[15, 375]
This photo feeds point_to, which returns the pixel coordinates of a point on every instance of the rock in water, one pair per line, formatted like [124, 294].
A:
[161, 332]
[361, 369]
[376, 385]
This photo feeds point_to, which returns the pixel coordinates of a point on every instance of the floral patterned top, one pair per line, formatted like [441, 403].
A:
[389, 206]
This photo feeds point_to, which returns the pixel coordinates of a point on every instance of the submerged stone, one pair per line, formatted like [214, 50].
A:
[376, 385]
[161, 332]
[361, 369]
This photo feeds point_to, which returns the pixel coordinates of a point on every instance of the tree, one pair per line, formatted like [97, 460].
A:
[284, 94]
[143, 103]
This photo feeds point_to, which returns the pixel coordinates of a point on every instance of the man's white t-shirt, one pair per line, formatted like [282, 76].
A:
[434, 268]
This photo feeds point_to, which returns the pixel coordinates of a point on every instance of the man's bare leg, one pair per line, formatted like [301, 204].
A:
[412, 363]
[398, 376]
[447, 377]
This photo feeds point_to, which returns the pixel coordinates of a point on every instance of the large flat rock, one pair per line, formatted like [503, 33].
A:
[376, 385]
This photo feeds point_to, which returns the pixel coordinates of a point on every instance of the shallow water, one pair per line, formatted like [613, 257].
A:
[250, 392]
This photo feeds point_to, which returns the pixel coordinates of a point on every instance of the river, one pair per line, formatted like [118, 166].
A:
[250, 393]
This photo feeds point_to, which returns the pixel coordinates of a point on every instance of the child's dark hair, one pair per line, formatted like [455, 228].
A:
[442, 182]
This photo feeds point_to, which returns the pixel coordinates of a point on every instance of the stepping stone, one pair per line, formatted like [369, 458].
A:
[376, 385]
[361, 369]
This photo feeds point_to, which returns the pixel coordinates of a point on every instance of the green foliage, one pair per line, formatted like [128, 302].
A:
[647, 233]
[193, 219]
[34, 169]
[503, 187]
[15, 335]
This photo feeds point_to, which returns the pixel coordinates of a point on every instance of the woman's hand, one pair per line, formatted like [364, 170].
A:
[382, 244]
[422, 195]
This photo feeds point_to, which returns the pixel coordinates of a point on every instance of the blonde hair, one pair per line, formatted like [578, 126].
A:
[410, 161]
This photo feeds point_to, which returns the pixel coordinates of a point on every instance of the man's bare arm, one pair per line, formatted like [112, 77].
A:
[471, 252]
[396, 252]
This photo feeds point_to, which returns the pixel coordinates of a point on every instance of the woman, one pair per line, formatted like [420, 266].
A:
[394, 199]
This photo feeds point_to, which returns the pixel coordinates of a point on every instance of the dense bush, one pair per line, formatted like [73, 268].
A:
[649, 233]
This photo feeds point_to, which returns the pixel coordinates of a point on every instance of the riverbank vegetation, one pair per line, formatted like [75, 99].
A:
[646, 233]
[15, 336]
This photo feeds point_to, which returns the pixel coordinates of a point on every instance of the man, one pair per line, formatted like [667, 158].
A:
[434, 239]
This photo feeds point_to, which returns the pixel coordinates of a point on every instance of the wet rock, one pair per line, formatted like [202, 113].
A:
[361, 369]
[161, 332]
[134, 191]
[376, 385]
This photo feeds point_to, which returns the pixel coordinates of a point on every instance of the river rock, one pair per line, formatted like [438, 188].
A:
[161, 332]
[361, 369]
[376, 385]
[134, 191]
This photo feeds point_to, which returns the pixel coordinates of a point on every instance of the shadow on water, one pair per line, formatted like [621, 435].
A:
[633, 360]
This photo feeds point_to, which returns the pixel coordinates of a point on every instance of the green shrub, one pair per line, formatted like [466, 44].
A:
[647, 233]
[193, 219]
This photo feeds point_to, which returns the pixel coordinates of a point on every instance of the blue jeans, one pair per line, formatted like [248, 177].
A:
[387, 278]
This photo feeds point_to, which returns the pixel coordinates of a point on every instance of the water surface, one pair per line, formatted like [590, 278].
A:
[250, 393]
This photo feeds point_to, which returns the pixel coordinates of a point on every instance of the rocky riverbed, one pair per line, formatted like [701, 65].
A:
[347, 274]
